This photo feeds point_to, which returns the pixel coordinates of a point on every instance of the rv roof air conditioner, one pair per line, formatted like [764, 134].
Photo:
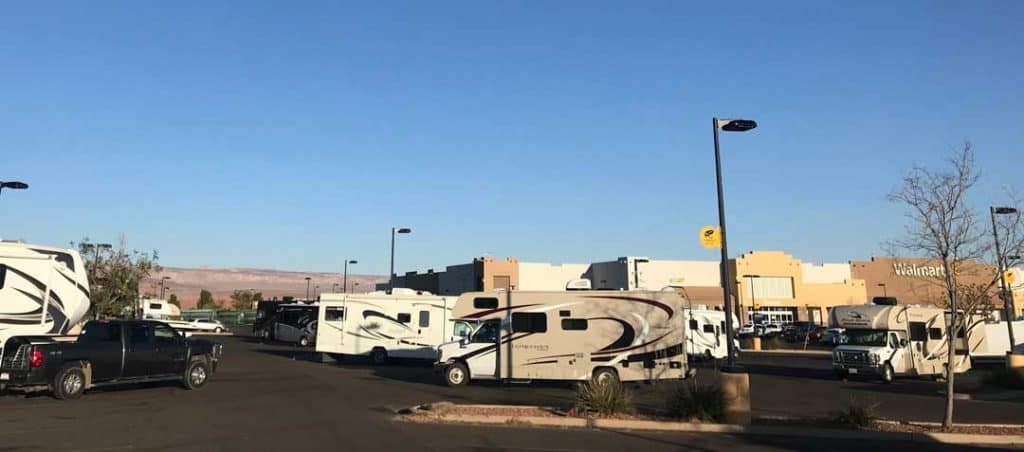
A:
[578, 284]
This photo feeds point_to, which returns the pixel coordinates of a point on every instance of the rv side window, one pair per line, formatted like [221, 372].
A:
[63, 258]
[709, 328]
[334, 314]
[485, 303]
[918, 332]
[574, 324]
[529, 322]
[934, 333]
[154, 306]
[424, 319]
[693, 324]
[404, 317]
[3, 275]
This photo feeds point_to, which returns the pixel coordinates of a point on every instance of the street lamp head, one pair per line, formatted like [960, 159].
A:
[166, 277]
[14, 185]
[403, 230]
[736, 125]
[308, 278]
[1004, 210]
[353, 262]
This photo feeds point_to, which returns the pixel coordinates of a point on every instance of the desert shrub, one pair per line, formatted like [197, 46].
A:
[604, 398]
[856, 414]
[696, 402]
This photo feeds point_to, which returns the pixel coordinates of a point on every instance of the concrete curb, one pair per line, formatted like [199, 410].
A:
[757, 430]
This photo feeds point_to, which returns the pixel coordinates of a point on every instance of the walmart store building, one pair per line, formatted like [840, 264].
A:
[768, 285]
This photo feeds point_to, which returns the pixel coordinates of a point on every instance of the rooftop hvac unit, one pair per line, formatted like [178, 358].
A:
[578, 284]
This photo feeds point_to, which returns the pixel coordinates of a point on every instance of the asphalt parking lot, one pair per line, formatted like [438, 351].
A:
[273, 397]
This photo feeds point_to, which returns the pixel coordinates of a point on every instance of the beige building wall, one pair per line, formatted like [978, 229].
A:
[499, 274]
[544, 276]
[657, 274]
[774, 281]
[826, 273]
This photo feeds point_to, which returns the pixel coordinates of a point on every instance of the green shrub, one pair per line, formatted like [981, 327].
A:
[856, 414]
[604, 398]
[696, 402]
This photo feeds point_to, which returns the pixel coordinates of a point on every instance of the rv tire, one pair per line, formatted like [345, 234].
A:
[379, 356]
[604, 375]
[887, 374]
[708, 356]
[456, 375]
[69, 383]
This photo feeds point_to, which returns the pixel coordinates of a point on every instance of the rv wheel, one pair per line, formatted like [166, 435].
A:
[708, 356]
[887, 374]
[456, 375]
[604, 376]
[379, 356]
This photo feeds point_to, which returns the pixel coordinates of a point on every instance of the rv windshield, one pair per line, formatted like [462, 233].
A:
[875, 338]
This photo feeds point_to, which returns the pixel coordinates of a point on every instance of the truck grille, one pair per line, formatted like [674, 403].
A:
[17, 360]
[853, 357]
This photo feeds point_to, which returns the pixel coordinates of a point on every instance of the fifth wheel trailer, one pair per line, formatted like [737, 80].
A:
[572, 335]
[43, 290]
[404, 324]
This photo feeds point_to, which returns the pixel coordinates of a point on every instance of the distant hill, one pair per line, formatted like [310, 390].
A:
[187, 282]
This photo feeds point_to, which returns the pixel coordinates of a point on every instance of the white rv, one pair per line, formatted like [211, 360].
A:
[404, 324]
[157, 309]
[572, 335]
[705, 334]
[43, 290]
[887, 341]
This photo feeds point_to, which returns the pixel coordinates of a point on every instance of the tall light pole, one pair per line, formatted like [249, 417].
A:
[728, 125]
[13, 185]
[391, 276]
[163, 282]
[1001, 268]
[307, 287]
[344, 283]
[316, 290]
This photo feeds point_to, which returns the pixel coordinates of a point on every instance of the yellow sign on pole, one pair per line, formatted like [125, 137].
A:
[1010, 277]
[711, 237]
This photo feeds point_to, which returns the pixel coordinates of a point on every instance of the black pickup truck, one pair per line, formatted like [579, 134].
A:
[107, 352]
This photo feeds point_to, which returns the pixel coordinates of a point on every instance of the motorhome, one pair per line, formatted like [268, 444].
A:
[571, 335]
[705, 334]
[292, 322]
[994, 338]
[404, 324]
[886, 341]
[43, 290]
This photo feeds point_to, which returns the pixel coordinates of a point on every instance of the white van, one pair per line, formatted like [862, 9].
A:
[570, 335]
[887, 341]
[404, 324]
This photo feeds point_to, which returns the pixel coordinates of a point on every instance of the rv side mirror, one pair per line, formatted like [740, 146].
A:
[903, 343]
[463, 342]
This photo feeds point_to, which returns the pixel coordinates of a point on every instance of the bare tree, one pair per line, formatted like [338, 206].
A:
[114, 277]
[943, 226]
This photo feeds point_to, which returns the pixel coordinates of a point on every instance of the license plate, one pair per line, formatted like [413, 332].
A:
[5, 376]
[853, 371]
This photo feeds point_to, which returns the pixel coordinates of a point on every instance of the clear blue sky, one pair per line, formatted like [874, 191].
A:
[293, 135]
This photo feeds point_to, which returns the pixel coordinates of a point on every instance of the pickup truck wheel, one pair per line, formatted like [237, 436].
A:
[196, 374]
[304, 341]
[456, 375]
[69, 383]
